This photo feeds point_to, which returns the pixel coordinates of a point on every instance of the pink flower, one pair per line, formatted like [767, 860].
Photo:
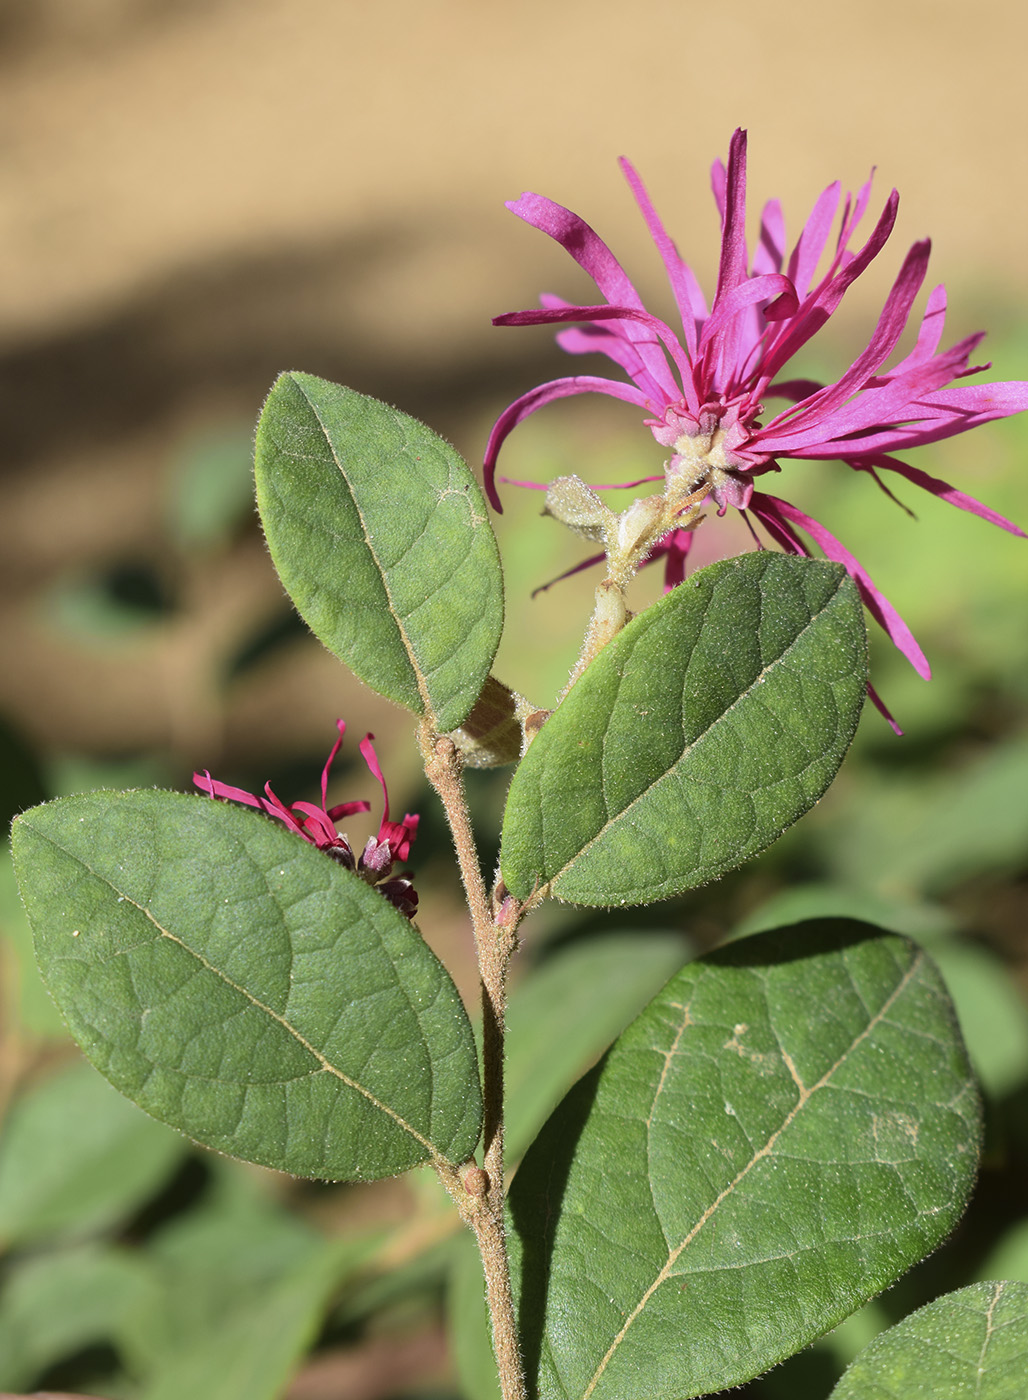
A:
[318, 826]
[703, 392]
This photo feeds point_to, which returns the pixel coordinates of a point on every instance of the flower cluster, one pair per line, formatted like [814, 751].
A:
[704, 391]
[318, 826]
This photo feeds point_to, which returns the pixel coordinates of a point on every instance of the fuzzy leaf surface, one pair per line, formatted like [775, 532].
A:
[968, 1345]
[243, 987]
[381, 536]
[704, 729]
[788, 1127]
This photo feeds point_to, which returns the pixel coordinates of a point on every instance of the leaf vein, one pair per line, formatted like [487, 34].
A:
[419, 677]
[286, 1025]
[763, 1153]
[690, 747]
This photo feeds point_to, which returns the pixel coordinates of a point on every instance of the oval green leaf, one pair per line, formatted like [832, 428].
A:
[969, 1345]
[243, 987]
[788, 1127]
[381, 537]
[703, 730]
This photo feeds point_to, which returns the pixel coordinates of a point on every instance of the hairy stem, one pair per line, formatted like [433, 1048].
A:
[629, 540]
[492, 1246]
[479, 1191]
[610, 613]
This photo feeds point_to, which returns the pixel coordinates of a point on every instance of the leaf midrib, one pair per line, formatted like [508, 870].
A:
[989, 1333]
[325, 1064]
[419, 678]
[691, 747]
[760, 1155]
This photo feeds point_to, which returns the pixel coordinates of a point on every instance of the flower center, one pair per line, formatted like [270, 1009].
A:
[708, 462]
[701, 460]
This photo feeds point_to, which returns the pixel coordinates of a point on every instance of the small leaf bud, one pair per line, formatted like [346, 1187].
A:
[578, 507]
[476, 1182]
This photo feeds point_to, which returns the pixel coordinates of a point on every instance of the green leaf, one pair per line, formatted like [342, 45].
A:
[385, 1286]
[220, 1269]
[991, 1011]
[381, 537]
[968, 1345]
[23, 999]
[704, 729]
[565, 1014]
[794, 903]
[788, 1126]
[935, 830]
[57, 1304]
[210, 491]
[237, 983]
[75, 1158]
[255, 1350]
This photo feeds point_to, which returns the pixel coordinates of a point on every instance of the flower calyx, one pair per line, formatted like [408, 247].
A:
[703, 462]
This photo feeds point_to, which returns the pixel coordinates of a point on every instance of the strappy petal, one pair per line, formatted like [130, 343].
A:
[660, 334]
[785, 515]
[588, 249]
[729, 360]
[527, 404]
[317, 824]
[820, 305]
[944, 492]
[811, 243]
[770, 251]
[732, 265]
[683, 284]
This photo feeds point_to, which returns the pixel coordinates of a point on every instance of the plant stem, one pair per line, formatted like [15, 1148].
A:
[629, 539]
[492, 1246]
[610, 613]
[479, 1191]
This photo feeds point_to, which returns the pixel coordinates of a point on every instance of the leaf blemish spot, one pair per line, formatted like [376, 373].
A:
[762, 1063]
[892, 1131]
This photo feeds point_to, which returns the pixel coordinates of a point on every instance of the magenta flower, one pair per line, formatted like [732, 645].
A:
[703, 393]
[318, 826]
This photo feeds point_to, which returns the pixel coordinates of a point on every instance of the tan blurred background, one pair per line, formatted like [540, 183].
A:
[195, 194]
